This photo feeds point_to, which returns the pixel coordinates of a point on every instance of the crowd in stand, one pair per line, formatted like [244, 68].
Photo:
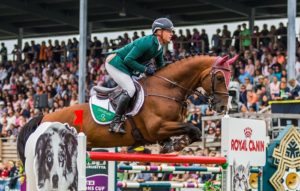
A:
[9, 175]
[51, 69]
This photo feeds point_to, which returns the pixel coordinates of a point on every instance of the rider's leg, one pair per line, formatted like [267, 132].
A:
[126, 83]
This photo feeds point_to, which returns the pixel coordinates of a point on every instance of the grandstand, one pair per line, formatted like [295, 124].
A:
[43, 77]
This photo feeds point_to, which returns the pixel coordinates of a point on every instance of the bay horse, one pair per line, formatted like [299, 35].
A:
[163, 112]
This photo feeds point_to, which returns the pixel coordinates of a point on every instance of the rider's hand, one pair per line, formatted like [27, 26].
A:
[150, 70]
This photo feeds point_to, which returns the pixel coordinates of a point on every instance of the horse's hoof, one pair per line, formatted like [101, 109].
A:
[166, 148]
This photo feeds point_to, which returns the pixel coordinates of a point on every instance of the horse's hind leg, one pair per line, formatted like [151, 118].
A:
[170, 129]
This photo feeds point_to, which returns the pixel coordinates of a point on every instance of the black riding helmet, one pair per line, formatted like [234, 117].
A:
[162, 23]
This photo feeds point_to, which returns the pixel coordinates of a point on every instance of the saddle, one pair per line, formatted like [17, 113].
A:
[103, 102]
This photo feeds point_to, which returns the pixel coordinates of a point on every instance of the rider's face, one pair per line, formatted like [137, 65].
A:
[166, 36]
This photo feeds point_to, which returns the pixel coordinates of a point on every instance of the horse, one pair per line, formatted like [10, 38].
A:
[162, 114]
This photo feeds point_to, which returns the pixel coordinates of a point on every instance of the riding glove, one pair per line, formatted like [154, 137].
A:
[150, 70]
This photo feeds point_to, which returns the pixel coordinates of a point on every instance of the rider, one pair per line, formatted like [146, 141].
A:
[122, 63]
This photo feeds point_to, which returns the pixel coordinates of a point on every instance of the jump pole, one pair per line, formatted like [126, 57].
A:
[155, 158]
[81, 161]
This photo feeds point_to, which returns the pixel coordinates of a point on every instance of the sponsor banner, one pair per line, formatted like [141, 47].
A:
[99, 174]
[244, 141]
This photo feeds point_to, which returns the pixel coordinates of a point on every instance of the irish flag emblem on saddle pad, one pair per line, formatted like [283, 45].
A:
[102, 111]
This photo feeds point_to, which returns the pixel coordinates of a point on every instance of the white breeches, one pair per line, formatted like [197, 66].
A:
[121, 78]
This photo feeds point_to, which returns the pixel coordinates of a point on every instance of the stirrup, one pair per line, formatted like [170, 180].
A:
[117, 127]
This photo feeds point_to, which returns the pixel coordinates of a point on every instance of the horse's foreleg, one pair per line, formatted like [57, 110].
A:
[170, 128]
[166, 145]
[194, 133]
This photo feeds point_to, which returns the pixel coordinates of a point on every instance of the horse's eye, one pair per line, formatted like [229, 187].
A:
[49, 159]
[220, 78]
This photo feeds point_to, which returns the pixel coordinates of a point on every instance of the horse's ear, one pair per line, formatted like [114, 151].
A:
[232, 60]
[222, 60]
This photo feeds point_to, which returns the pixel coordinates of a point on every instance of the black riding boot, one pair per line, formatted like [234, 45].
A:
[117, 124]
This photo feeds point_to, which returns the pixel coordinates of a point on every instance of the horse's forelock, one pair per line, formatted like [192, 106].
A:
[222, 64]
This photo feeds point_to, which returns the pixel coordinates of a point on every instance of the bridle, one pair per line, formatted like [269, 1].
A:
[209, 97]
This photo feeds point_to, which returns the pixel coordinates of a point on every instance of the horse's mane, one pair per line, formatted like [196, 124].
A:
[188, 62]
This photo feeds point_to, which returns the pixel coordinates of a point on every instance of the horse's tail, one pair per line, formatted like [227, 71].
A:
[24, 134]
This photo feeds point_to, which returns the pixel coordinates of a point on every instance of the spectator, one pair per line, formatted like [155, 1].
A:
[17, 54]
[264, 36]
[35, 50]
[209, 124]
[210, 137]
[255, 37]
[205, 40]
[259, 82]
[249, 68]
[195, 100]
[216, 42]
[135, 36]
[182, 40]
[245, 37]
[282, 35]
[284, 91]
[243, 75]
[49, 51]
[188, 40]
[236, 37]
[105, 45]
[218, 135]
[295, 89]
[43, 52]
[196, 41]
[252, 99]
[248, 83]
[274, 88]
[176, 44]
[3, 52]
[56, 52]
[63, 51]
[226, 37]
[70, 51]
[272, 35]
[243, 95]
[195, 118]
[297, 69]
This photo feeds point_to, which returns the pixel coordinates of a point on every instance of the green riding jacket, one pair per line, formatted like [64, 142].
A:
[133, 57]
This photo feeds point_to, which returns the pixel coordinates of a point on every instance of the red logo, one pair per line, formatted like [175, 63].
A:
[248, 132]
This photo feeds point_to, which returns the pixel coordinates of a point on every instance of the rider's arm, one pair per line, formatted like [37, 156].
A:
[159, 60]
[136, 52]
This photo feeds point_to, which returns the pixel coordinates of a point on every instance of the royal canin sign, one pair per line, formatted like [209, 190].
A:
[247, 144]
[244, 141]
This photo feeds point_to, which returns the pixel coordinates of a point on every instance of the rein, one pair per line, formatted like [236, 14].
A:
[182, 102]
[210, 97]
[177, 84]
